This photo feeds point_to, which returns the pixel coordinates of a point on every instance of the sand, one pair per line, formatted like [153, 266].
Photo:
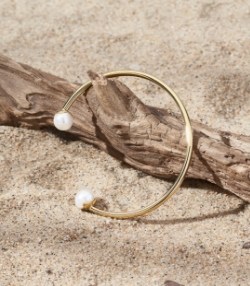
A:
[201, 49]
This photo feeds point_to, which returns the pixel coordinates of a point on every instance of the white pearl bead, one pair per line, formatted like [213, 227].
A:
[84, 197]
[63, 121]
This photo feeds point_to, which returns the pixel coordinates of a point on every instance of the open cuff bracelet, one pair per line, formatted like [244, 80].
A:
[85, 199]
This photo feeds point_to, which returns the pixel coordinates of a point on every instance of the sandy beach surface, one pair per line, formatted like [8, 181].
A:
[201, 50]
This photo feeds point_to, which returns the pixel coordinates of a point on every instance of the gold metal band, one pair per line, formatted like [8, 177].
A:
[189, 136]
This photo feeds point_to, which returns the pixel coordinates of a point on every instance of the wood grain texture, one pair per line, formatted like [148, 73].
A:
[111, 117]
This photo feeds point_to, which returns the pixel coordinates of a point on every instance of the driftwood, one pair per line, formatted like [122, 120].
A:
[111, 117]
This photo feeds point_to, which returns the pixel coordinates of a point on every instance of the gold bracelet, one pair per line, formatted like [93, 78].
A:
[85, 199]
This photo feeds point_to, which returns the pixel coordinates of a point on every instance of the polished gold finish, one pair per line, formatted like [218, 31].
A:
[62, 111]
[189, 135]
[86, 207]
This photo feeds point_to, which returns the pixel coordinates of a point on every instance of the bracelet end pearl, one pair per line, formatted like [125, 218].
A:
[63, 120]
[85, 199]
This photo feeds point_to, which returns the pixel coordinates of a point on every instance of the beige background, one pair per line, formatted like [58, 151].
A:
[201, 49]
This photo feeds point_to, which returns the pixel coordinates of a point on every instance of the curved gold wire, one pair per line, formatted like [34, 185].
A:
[189, 136]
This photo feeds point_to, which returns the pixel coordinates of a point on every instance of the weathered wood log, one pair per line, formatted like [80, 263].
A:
[111, 117]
